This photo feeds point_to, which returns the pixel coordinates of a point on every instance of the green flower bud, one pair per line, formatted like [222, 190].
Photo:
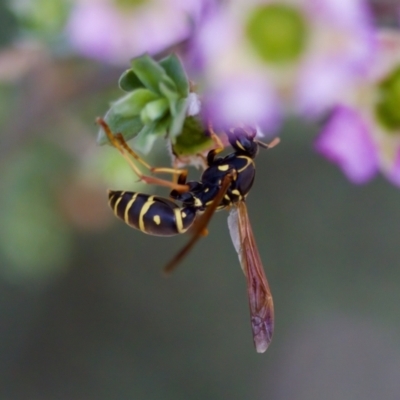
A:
[277, 32]
[388, 105]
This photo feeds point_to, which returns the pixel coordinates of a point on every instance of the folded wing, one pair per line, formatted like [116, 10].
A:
[259, 294]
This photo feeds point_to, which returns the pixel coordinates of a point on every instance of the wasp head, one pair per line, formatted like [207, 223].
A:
[243, 141]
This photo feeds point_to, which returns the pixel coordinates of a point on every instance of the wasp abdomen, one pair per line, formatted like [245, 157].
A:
[153, 215]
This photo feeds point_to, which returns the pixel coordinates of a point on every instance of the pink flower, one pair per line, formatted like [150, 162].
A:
[106, 31]
[346, 141]
[305, 51]
[363, 134]
[246, 100]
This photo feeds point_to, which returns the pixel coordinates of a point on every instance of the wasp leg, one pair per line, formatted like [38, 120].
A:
[119, 143]
[218, 143]
[179, 175]
[173, 171]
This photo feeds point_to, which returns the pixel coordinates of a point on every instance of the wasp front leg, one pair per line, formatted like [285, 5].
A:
[219, 146]
[119, 143]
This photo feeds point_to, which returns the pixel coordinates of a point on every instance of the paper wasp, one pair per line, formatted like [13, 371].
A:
[224, 184]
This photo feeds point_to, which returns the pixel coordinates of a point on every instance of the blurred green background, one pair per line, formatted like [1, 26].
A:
[85, 310]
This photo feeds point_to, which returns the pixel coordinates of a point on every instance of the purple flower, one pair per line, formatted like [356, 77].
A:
[306, 52]
[340, 50]
[243, 100]
[362, 135]
[345, 140]
[114, 33]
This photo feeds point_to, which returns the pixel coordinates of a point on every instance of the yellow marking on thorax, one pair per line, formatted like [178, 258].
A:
[223, 167]
[206, 190]
[248, 162]
[157, 219]
[236, 192]
[146, 206]
[128, 207]
[183, 214]
[116, 204]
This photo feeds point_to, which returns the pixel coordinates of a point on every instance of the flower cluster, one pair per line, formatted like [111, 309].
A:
[292, 53]
[362, 134]
[114, 31]
[256, 61]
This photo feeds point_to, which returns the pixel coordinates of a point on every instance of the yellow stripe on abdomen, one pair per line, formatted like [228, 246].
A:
[116, 204]
[128, 207]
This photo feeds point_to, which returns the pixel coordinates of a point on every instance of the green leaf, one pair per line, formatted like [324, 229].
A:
[129, 127]
[162, 125]
[168, 89]
[145, 139]
[144, 117]
[129, 81]
[178, 119]
[174, 69]
[148, 71]
[133, 103]
[154, 110]
[192, 139]
[124, 115]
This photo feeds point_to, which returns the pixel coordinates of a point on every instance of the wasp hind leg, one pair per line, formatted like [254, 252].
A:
[120, 144]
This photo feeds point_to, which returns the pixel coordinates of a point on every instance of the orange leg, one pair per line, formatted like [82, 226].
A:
[119, 143]
[218, 143]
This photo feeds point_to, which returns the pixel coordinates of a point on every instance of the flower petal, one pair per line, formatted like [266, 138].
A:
[321, 83]
[101, 30]
[345, 140]
[243, 100]
[89, 30]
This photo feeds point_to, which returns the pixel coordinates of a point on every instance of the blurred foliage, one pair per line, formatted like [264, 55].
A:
[387, 108]
[8, 25]
[84, 310]
[34, 236]
[44, 18]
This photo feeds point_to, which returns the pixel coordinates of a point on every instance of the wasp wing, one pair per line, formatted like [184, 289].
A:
[200, 224]
[259, 294]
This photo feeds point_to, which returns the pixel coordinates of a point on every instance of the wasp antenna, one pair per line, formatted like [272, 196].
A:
[274, 142]
[270, 145]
